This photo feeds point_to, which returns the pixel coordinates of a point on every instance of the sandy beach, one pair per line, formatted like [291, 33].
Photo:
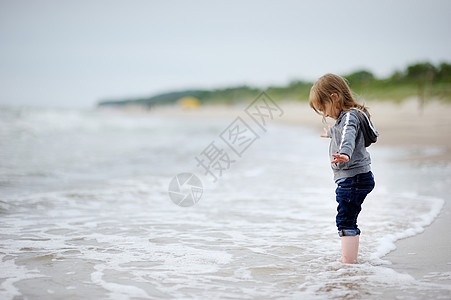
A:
[401, 125]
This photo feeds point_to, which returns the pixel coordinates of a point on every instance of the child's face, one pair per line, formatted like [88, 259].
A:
[331, 111]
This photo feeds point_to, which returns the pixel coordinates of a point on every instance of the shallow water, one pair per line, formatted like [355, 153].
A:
[85, 212]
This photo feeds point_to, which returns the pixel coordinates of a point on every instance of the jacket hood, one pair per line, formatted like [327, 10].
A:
[370, 133]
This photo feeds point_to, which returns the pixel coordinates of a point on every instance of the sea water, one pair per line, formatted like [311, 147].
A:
[85, 212]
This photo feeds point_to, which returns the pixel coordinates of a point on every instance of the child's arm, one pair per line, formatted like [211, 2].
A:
[326, 133]
[347, 143]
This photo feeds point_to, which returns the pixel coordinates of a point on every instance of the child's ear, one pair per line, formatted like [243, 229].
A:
[334, 96]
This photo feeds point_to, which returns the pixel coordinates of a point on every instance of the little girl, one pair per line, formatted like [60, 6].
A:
[352, 132]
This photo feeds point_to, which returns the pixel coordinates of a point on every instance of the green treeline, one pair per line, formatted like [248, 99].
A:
[423, 80]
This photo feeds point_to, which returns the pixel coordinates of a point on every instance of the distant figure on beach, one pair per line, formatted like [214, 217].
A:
[352, 132]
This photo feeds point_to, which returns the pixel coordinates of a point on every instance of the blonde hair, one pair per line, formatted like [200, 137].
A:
[327, 85]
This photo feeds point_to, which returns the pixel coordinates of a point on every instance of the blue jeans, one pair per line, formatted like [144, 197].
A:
[350, 195]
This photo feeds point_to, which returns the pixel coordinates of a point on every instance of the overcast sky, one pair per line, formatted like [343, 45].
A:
[75, 53]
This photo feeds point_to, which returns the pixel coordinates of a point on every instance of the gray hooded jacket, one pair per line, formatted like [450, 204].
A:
[350, 135]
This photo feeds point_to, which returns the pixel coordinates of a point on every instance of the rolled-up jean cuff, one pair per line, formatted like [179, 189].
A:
[348, 232]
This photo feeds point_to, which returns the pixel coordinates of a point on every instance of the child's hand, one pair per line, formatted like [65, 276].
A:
[340, 158]
[324, 135]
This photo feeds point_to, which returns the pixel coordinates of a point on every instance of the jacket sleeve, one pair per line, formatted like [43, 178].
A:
[329, 132]
[348, 133]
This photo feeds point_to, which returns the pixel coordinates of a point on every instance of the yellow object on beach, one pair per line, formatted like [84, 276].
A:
[189, 102]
